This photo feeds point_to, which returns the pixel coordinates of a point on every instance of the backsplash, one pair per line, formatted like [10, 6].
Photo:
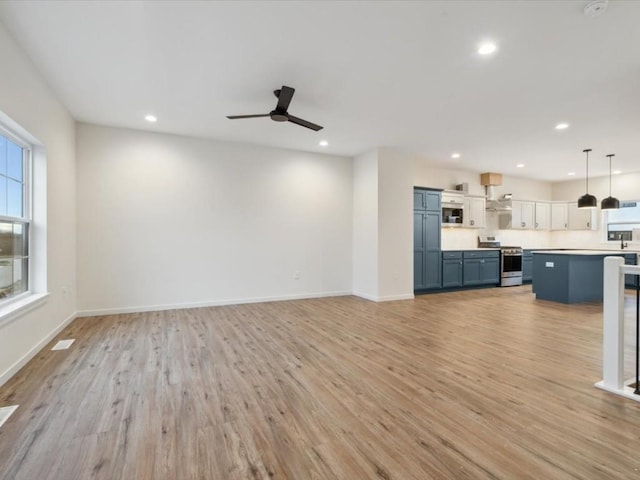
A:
[467, 238]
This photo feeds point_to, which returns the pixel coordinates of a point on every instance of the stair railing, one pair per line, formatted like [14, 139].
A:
[613, 329]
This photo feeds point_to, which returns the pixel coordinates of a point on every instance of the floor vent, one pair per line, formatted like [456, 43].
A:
[63, 344]
[5, 413]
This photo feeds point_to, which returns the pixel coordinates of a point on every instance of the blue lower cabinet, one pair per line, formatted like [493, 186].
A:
[630, 280]
[490, 271]
[459, 269]
[427, 262]
[451, 269]
[433, 270]
[481, 268]
[472, 272]
[527, 266]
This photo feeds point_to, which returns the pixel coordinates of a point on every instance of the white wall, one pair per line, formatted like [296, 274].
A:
[623, 187]
[427, 175]
[365, 225]
[395, 225]
[383, 225]
[167, 221]
[26, 99]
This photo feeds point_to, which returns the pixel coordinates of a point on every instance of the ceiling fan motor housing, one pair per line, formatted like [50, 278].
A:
[279, 116]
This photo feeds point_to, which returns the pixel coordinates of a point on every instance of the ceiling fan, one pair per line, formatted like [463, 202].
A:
[280, 114]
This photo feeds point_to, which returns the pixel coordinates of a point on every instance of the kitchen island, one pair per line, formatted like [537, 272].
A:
[569, 276]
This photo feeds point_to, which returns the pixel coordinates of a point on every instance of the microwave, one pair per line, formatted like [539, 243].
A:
[452, 210]
[452, 216]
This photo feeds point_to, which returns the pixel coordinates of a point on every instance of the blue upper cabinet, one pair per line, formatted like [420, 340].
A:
[426, 200]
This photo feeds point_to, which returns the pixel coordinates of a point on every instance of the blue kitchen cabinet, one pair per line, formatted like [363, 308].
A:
[630, 280]
[527, 266]
[569, 276]
[427, 221]
[451, 269]
[419, 250]
[426, 199]
[490, 270]
[481, 268]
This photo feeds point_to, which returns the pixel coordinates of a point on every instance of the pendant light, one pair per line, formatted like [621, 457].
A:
[610, 203]
[587, 201]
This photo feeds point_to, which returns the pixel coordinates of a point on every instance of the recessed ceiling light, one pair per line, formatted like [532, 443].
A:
[151, 118]
[562, 126]
[323, 143]
[487, 48]
[571, 173]
[520, 165]
[617, 172]
[455, 155]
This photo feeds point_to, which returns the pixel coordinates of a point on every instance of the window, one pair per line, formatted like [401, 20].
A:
[15, 218]
[622, 223]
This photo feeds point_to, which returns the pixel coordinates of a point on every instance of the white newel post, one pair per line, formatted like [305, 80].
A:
[613, 324]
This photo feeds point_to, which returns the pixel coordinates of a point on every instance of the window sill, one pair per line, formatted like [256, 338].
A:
[20, 306]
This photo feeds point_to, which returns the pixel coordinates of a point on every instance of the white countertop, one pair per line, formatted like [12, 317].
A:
[467, 249]
[602, 253]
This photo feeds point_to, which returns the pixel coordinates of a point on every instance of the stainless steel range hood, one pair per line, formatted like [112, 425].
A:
[495, 203]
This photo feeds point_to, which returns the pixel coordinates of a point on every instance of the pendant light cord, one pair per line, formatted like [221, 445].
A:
[587, 150]
[610, 155]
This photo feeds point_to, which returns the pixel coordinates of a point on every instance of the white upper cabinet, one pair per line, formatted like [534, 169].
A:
[559, 216]
[543, 216]
[582, 218]
[523, 215]
[474, 212]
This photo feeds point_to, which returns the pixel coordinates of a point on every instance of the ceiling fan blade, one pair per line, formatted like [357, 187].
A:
[284, 98]
[304, 123]
[235, 117]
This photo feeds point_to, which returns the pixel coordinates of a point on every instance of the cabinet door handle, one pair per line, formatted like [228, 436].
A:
[482, 261]
[536, 224]
[473, 222]
[565, 225]
[523, 224]
[588, 224]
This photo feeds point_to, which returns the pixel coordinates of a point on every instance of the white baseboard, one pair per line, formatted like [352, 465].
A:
[401, 296]
[625, 391]
[11, 371]
[366, 296]
[212, 303]
[388, 298]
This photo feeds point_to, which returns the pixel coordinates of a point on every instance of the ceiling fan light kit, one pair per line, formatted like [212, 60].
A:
[280, 114]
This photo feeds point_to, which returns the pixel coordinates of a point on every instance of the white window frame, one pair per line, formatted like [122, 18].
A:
[606, 223]
[16, 306]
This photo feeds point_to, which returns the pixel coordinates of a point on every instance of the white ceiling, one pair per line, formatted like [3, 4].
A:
[398, 74]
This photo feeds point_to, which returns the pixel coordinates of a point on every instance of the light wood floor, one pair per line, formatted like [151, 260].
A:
[465, 385]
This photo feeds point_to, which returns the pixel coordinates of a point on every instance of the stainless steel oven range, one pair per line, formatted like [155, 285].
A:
[510, 260]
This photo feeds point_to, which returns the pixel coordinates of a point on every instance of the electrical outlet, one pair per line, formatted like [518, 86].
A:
[63, 344]
[5, 413]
